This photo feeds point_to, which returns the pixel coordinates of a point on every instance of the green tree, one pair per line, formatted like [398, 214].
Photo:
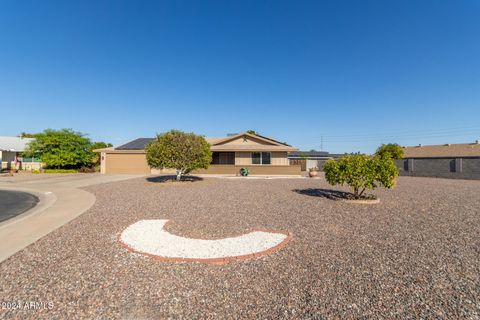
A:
[61, 149]
[252, 132]
[394, 149]
[179, 150]
[362, 172]
[26, 135]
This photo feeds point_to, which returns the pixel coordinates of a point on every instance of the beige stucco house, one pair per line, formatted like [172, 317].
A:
[261, 155]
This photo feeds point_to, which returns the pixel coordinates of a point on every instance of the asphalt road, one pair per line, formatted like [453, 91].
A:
[13, 203]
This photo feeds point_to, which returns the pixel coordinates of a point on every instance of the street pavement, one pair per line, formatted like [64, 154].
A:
[59, 201]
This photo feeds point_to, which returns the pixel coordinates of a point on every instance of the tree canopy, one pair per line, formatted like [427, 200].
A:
[63, 148]
[179, 150]
[394, 149]
[100, 145]
[26, 135]
[361, 172]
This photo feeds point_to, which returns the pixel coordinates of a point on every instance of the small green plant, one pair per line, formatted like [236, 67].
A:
[244, 172]
[362, 172]
[35, 171]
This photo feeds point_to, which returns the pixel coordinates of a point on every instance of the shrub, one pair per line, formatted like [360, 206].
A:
[394, 149]
[244, 172]
[178, 150]
[361, 172]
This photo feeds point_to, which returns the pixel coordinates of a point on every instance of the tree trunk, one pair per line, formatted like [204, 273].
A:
[355, 193]
[179, 175]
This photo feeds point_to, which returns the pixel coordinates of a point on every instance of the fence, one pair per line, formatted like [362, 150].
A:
[455, 168]
[27, 164]
[24, 159]
[306, 164]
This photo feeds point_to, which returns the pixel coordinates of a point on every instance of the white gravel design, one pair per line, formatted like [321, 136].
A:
[148, 236]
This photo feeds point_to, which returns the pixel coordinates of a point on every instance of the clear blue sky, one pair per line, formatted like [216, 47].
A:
[358, 73]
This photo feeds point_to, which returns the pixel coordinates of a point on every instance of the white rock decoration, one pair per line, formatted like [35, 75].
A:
[149, 237]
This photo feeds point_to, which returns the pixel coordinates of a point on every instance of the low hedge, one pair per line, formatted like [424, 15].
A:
[60, 171]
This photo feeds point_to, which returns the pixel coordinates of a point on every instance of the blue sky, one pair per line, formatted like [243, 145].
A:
[357, 73]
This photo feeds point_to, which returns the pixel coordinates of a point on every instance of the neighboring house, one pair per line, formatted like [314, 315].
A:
[311, 159]
[11, 149]
[261, 155]
[446, 160]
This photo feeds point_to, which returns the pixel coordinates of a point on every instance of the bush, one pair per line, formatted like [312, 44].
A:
[178, 150]
[244, 172]
[361, 172]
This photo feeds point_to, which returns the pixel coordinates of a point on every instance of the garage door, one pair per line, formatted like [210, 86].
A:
[126, 163]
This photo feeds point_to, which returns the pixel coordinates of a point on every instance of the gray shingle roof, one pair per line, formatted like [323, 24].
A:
[14, 143]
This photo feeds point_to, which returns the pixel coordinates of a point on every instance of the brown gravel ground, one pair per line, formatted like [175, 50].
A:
[414, 255]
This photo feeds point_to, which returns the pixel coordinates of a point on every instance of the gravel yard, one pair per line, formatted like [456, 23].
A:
[414, 255]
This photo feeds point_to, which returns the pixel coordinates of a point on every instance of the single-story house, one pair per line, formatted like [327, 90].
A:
[311, 159]
[460, 160]
[261, 155]
[447, 150]
[11, 149]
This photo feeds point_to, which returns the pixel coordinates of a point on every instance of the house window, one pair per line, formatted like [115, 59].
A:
[223, 158]
[266, 157]
[261, 158]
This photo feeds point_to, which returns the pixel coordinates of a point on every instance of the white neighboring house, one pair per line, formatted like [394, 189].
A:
[11, 149]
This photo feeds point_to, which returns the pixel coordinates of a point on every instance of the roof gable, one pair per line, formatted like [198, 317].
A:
[248, 138]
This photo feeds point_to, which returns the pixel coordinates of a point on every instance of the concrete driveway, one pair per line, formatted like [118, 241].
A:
[60, 201]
